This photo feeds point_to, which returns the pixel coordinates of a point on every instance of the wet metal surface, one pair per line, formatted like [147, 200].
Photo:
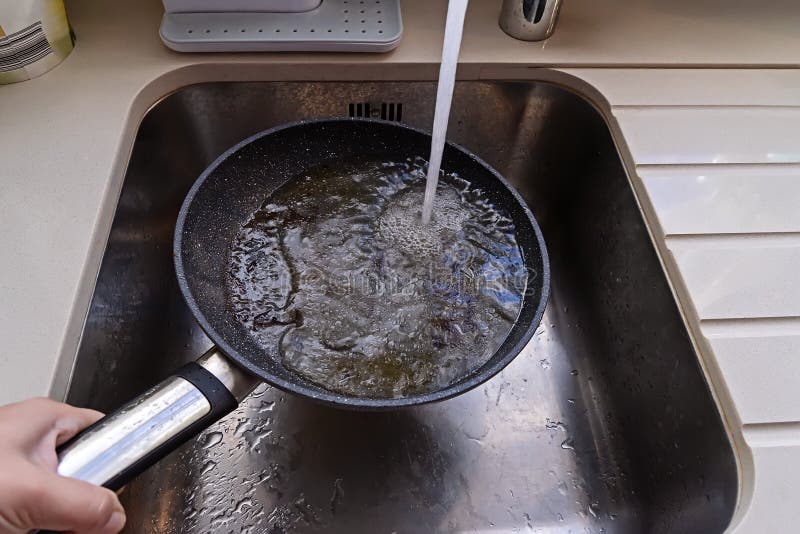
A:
[603, 424]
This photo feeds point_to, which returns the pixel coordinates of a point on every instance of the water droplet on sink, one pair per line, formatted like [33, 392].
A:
[571, 401]
[245, 503]
[261, 436]
[544, 363]
[266, 406]
[594, 508]
[208, 466]
[568, 444]
[574, 372]
[555, 425]
[240, 427]
[212, 439]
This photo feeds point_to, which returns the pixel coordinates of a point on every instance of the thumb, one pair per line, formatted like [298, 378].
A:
[54, 502]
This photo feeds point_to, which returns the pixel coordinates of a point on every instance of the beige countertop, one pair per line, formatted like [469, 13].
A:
[703, 98]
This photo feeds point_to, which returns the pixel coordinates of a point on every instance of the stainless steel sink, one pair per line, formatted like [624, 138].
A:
[603, 424]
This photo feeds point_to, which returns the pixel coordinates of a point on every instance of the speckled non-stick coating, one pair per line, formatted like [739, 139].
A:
[237, 183]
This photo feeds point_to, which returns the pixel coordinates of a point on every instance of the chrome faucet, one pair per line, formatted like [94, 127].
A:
[529, 20]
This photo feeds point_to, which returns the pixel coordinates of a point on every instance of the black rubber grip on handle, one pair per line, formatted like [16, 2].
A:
[222, 403]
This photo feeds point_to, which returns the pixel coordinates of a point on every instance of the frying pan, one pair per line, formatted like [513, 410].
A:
[121, 445]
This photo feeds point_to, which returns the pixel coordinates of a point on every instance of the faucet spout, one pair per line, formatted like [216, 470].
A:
[529, 20]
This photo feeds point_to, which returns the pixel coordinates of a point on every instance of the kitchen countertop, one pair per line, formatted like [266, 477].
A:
[703, 98]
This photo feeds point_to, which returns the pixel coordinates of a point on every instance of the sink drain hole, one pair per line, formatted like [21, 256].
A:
[389, 111]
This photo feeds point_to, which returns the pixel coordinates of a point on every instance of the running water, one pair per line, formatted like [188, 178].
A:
[453, 30]
[360, 294]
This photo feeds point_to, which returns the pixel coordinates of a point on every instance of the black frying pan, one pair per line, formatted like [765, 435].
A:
[121, 445]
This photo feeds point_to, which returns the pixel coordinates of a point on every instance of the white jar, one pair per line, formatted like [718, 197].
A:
[34, 37]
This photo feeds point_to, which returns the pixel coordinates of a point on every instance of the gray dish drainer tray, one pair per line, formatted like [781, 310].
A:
[335, 26]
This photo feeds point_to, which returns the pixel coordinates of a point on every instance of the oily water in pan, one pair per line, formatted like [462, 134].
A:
[338, 271]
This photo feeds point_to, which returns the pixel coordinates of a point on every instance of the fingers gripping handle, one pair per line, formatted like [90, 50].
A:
[123, 444]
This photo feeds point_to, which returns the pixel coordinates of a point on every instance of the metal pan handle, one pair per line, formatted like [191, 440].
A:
[121, 445]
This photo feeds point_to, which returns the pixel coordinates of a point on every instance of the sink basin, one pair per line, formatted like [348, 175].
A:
[604, 423]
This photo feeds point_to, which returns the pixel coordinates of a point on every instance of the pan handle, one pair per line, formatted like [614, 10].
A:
[121, 445]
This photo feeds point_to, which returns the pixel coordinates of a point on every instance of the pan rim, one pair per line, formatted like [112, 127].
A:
[475, 379]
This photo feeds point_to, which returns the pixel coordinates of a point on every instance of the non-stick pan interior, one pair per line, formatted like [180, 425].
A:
[239, 181]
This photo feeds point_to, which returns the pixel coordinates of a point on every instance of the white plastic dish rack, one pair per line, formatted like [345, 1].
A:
[217, 6]
[333, 26]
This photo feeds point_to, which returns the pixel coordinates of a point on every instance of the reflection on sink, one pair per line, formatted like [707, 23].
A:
[603, 424]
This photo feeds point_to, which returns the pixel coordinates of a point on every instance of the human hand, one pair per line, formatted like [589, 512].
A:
[32, 494]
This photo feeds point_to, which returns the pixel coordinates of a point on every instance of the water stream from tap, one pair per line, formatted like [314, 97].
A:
[453, 30]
